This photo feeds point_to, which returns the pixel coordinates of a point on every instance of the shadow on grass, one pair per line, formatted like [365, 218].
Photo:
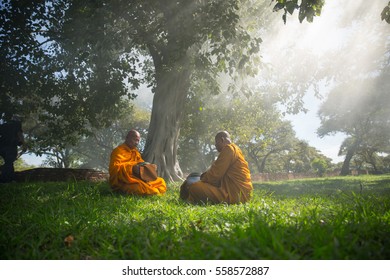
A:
[284, 220]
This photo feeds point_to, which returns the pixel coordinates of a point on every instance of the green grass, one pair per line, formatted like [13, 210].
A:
[330, 218]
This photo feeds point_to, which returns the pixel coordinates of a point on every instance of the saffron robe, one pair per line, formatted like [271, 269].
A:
[122, 178]
[228, 180]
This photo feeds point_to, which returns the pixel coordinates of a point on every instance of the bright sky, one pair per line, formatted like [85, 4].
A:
[305, 126]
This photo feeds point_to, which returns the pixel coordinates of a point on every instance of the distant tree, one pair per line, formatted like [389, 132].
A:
[386, 163]
[300, 157]
[94, 151]
[61, 157]
[297, 159]
[277, 137]
[21, 165]
[320, 166]
[358, 109]
[252, 119]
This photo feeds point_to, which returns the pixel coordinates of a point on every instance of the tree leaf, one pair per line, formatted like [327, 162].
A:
[279, 6]
[291, 6]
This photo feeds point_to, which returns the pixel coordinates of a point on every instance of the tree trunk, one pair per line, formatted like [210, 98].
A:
[162, 140]
[263, 161]
[350, 153]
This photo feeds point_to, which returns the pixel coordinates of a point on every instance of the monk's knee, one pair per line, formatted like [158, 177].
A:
[200, 195]
[184, 192]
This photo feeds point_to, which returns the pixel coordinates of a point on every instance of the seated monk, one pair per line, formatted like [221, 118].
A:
[228, 179]
[124, 169]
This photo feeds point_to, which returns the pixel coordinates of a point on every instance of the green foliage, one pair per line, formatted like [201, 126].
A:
[320, 165]
[329, 218]
[19, 164]
[94, 151]
[78, 62]
[59, 90]
[300, 158]
[385, 15]
[69, 81]
[308, 9]
[256, 125]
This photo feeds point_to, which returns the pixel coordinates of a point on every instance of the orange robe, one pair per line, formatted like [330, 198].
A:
[228, 180]
[122, 179]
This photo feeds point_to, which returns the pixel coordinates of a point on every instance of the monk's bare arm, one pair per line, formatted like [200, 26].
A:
[219, 167]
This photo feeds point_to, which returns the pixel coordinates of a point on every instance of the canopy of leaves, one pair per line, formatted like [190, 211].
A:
[385, 15]
[308, 9]
[70, 66]
[61, 91]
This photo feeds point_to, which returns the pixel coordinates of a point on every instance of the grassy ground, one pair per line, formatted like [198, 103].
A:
[330, 218]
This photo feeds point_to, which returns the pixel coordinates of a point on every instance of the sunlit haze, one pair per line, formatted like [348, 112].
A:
[343, 35]
[345, 31]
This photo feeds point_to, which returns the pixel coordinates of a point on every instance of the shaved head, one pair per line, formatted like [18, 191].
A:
[132, 138]
[132, 133]
[222, 139]
[222, 135]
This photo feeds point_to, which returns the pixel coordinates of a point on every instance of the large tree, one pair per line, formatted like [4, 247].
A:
[72, 62]
[83, 54]
[360, 110]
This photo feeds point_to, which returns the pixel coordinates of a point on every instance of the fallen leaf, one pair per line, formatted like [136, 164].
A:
[69, 240]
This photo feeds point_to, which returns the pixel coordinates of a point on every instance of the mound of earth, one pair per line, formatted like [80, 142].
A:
[60, 174]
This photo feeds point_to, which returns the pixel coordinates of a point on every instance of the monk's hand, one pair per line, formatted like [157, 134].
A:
[136, 170]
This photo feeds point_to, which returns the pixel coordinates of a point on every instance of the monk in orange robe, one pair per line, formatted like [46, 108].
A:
[228, 179]
[123, 169]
